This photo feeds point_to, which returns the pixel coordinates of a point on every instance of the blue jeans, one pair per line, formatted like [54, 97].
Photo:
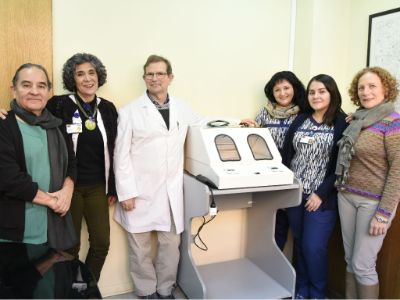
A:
[311, 232]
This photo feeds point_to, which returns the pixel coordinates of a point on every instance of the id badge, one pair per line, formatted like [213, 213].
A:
[307, 140]
[74, 128]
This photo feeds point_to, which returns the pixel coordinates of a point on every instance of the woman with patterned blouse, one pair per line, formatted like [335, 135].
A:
[310, 151]
[286, 97]
[368, 170]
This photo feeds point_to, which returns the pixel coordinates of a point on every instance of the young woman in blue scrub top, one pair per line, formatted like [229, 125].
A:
[310, 151]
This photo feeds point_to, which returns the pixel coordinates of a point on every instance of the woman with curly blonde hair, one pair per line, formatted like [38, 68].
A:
[368, 176]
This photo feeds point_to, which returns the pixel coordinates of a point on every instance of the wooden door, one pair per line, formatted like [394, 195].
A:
[25, 36]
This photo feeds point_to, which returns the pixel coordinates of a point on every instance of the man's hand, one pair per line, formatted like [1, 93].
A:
[129, 204]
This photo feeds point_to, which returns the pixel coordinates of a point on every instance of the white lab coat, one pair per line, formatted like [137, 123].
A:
[148, 164]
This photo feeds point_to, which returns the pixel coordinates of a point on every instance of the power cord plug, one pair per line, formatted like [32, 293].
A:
[213, 208]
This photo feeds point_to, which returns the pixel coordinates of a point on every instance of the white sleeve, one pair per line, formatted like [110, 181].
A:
[123, 166]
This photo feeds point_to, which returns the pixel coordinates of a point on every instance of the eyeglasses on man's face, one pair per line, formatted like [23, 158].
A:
[158, 75]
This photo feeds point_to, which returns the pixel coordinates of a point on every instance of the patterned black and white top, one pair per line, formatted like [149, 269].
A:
[277, 127]
[313, 144]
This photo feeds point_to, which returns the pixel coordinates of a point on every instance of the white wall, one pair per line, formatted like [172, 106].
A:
[322, 40]
[358, 32]
[222, 53]
[332, 38]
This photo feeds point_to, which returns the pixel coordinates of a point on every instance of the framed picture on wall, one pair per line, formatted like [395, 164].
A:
[384, 42]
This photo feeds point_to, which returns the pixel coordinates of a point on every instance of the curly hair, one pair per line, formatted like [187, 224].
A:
[30, 66]
[78, 59]
[389, 83]
[299, 95]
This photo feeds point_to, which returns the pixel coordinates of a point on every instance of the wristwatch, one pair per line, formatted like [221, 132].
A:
[381, 220]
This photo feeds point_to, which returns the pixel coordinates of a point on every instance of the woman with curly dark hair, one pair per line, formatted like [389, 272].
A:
[368, 177]
[91, 122]
[286, 97]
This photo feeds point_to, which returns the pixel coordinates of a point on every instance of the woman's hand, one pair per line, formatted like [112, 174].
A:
[248, 123]
[3, 113]
[313, 202]
[62, 202]
[111, 200]
[63, 197]
[54, 205]
[377, 228]
[51, 201]
[349, 117]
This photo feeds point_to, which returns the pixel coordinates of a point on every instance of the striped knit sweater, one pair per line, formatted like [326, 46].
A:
[375, 168]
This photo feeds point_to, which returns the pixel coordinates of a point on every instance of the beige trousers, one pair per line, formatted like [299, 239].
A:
[361, 249]
[154, 275]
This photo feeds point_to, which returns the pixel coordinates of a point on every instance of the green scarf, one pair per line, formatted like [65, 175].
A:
[362, 118]
[278, 112]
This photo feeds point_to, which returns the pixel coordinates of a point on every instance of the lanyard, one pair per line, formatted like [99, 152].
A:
[90, 123]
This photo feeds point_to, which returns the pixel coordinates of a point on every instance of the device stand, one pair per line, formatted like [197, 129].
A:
[264, 271]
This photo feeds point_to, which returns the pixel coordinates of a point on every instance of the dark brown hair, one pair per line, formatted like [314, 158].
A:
[335, 98]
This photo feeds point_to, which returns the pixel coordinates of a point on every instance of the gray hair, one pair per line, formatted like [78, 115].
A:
[78, 59]
[30, 66]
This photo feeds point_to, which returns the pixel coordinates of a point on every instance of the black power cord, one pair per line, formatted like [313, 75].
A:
[203, 245]
[213, 213]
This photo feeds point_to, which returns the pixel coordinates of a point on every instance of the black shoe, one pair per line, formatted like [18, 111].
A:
[152, 296]
[170, 296]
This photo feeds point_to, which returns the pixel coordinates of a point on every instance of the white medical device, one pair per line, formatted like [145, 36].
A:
[235, 156]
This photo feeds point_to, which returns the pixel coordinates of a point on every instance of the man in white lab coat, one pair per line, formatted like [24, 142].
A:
[148, 162]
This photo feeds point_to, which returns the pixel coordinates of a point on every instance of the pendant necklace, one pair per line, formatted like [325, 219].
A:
[90, 123]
